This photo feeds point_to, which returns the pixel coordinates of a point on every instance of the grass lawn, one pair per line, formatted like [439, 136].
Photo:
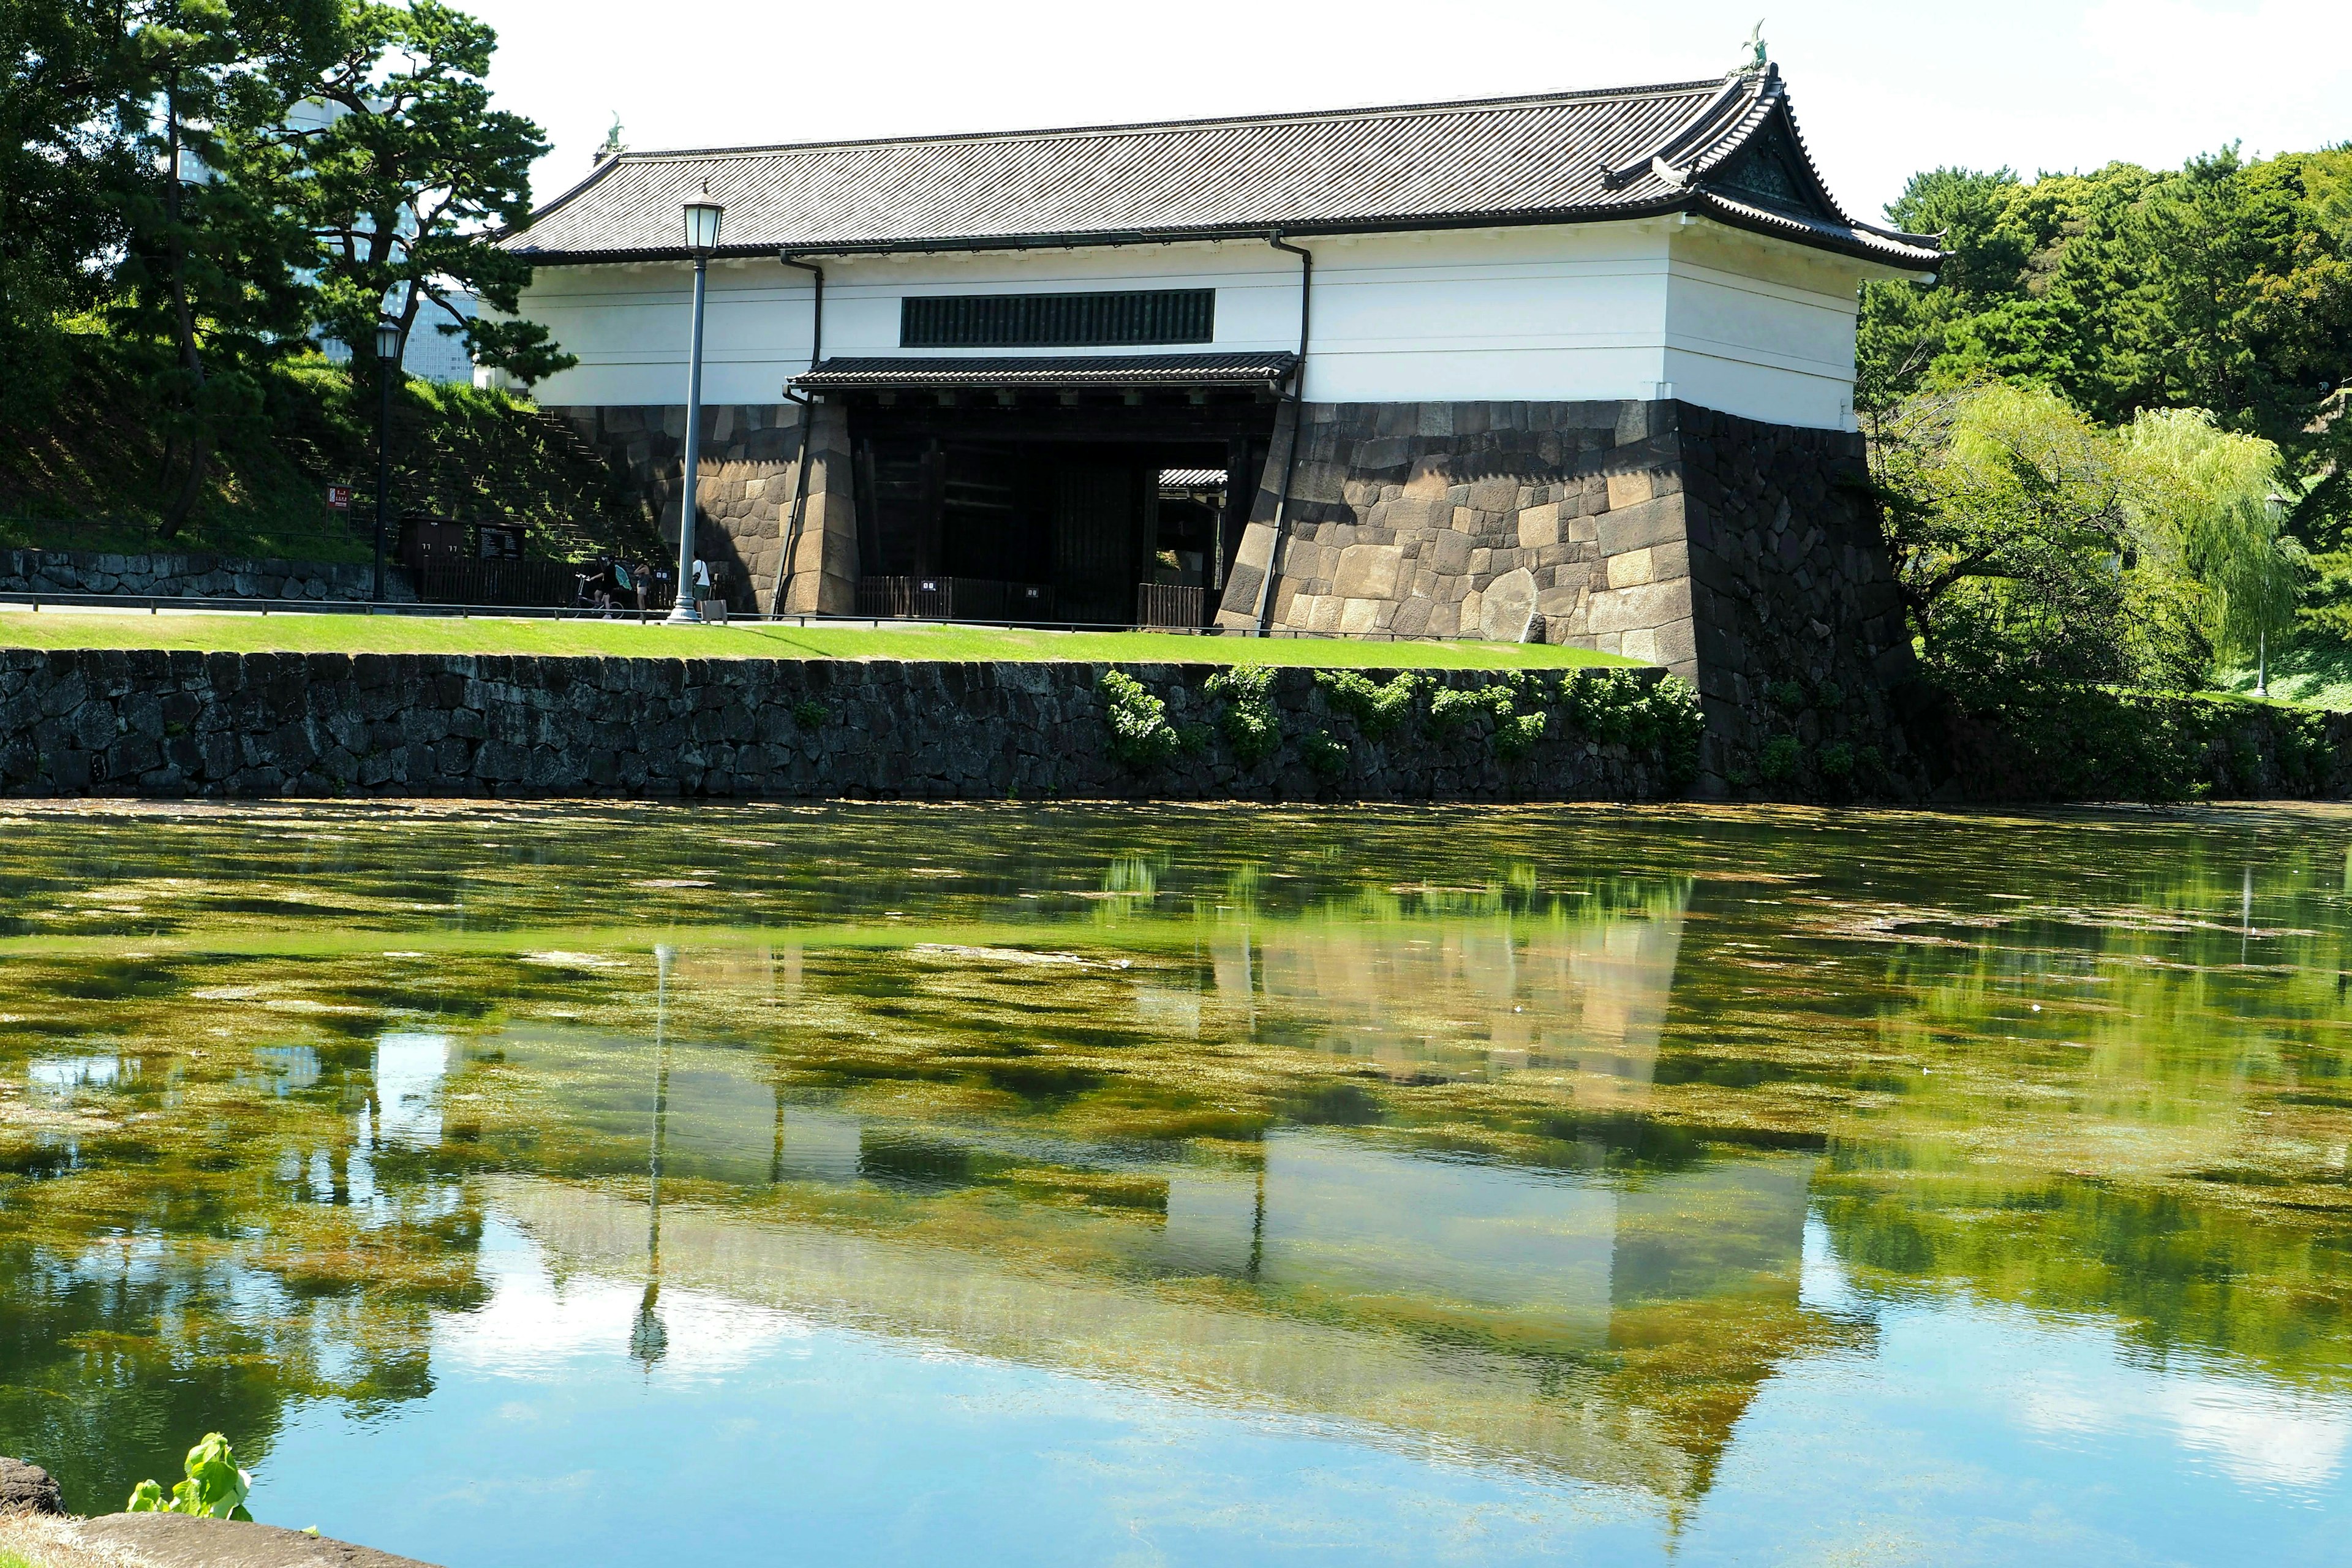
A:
[402, 633]
[2310, 674]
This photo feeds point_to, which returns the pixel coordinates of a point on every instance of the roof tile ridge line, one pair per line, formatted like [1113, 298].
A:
[603, 167]
[1903, 235]
[1388, 223]
[1360, 111]
[1625, 173]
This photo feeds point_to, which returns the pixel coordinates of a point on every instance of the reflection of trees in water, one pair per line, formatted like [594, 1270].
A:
[199, 1236]
[2171, 1276]
[2128, 1105]
[119, 1357]
[1672, 1050]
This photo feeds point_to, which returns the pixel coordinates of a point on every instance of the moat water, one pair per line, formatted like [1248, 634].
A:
[591, 1184]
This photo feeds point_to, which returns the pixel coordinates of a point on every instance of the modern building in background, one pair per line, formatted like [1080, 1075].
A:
[430, 354]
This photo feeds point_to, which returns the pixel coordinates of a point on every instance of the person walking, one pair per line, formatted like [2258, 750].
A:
[642, 575]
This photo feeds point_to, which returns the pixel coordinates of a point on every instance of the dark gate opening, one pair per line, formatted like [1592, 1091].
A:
[1093, 511]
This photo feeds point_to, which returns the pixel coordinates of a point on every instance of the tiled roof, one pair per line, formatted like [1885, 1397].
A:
[1052, 372]
[1558, 158]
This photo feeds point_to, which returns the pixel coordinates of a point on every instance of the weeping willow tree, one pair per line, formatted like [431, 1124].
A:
[2038, 549]
[2207, 505]
[2015, 545]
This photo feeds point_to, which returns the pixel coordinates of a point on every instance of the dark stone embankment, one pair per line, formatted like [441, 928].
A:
[170, 576]
[157, 724]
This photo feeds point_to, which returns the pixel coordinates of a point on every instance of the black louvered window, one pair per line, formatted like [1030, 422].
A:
[1059, 320]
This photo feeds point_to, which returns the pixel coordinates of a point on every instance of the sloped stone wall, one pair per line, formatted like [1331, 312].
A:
[1744, 557]
[1798, 631]
[1404, 516]
[190, 576]
[261, 725]
[747, 473]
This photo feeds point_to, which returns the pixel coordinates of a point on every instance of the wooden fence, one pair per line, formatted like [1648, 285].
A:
[444, 581]
[954, 598]
[1170, 605]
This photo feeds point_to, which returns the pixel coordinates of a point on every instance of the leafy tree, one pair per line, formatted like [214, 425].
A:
[213, 256]
[2206, 503]
[2225, 285]
[2038, 549]
[403, 175]
[59, 153]
[2006, 517]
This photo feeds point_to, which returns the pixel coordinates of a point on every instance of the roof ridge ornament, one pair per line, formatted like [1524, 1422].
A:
[1754, 55]
[612, 147]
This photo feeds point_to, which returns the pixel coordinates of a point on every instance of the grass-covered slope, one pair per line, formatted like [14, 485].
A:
[92, 473]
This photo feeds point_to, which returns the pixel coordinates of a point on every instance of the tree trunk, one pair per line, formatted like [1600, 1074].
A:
[200, 444]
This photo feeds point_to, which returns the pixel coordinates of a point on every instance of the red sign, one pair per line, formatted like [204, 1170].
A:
[339, 497]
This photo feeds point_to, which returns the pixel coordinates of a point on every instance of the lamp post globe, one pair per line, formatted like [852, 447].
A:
[703, 217]
[387, 358]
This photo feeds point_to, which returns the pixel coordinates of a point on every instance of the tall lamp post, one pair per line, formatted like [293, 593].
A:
[702, 220]
[387, 358]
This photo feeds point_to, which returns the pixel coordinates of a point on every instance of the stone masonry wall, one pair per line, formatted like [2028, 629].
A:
[259, 725]
[1404, 516]
[189, 576]
[749, 453]
[824, 576]
[1798, 625]
[1741, 556]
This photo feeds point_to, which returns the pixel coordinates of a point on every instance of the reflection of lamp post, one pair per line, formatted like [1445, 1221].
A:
[387, 355]
[648, 1340]
[702, 220]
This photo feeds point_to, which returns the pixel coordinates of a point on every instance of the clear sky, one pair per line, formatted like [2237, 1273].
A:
[1881, 88]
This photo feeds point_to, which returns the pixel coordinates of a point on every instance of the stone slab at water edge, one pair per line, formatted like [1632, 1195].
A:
[158, 724]
[189, 576]
[182, 1541]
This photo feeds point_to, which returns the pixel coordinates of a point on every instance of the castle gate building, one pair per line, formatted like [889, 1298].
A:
[1577, 366]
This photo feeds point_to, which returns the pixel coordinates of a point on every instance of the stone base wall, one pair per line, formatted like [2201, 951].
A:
[1404, 517]
[824, 567]
[1743, 557]
[260, 725]
[190, 576]
[1797, 628]
[749, 462]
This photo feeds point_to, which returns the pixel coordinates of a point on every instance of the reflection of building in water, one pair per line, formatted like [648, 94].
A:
[1609, 1328]
[408, 1072]
[1469, 992]
[1609, 1324]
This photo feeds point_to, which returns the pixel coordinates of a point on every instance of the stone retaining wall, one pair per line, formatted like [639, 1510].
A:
[1745, 557]
[189, 576]
[254, 725]
[748, 477]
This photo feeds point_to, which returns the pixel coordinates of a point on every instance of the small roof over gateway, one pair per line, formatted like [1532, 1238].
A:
[1728, 149]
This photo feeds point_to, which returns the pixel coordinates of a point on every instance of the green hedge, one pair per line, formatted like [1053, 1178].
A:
[2108, 745]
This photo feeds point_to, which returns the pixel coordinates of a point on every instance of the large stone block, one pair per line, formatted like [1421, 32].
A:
[1650, 605]
[1642, 524]
[1367, 571]
[1508, 607]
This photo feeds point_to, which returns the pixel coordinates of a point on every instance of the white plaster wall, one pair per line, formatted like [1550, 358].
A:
[1598, 311]
[1762, 329]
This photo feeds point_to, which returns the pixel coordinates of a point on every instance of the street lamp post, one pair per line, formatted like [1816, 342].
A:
[702, 220]
[387, 357]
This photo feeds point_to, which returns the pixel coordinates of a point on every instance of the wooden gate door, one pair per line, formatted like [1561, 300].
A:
[1097, 519]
